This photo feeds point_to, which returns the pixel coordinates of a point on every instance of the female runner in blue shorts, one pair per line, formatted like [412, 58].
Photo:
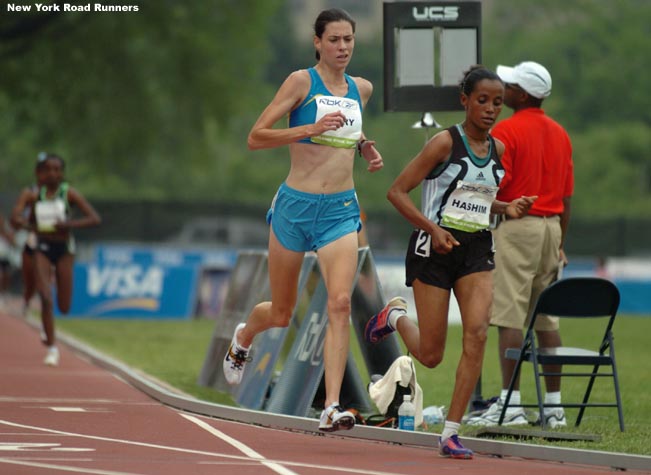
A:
[316, 207]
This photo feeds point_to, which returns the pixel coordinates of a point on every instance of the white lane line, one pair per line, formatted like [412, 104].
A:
[246, 450]
[51, 459]
[59, 400]
[98, 410]
[46, 400]
[333, 468]
[29, 446]
[65, 468]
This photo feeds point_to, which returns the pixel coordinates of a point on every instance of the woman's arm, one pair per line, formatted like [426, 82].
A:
[366, 147]
[515, 209]
[436, 151]
[18, 220]
[289, 96]
[90, 216]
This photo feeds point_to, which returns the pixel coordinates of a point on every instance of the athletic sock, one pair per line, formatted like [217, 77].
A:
[553, 398]
[393, 319]
[449, 429]
[515, 396]
[240, 347]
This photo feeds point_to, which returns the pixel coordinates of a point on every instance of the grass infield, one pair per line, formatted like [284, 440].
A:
[174, 351]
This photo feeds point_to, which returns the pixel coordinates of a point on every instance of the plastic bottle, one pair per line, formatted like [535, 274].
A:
[406, 413]
[433, 414]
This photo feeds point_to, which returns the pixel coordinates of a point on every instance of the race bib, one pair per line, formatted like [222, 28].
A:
[469, 207]
[346, 136]
[48, 213]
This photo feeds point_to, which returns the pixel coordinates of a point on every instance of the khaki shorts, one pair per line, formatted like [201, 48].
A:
[526, 262]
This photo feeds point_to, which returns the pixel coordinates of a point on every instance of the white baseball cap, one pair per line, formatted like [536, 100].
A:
[530, 76]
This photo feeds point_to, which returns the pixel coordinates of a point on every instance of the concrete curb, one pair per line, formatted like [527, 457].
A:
[182, 402]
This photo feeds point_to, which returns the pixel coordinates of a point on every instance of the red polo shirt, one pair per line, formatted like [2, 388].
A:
[537, 160]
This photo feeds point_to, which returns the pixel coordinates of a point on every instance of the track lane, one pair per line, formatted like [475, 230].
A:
[79, 418]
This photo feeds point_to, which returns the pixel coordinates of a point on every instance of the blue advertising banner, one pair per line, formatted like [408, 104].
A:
[134, 290]
[635, 296]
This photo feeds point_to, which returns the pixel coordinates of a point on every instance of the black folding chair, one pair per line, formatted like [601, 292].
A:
[585, 298]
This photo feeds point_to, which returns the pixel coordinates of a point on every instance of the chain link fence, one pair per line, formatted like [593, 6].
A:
[241, 225]
[230, 224]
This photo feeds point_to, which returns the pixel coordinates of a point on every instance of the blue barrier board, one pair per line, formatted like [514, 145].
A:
[134, 290]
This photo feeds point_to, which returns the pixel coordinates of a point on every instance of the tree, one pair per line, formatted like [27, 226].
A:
[134, 100]
[157, 104]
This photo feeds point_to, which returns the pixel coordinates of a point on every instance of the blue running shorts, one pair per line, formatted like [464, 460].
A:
[307, 222]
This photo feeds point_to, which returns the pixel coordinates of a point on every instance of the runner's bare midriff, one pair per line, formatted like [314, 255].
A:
[320, 169]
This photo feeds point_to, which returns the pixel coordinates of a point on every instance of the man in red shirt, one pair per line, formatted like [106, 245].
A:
[537, 161]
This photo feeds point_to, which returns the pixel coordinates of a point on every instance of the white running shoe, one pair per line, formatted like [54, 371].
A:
[554, 417]
[514, 416]
[334, 418]
[52, 357]
[235, 359]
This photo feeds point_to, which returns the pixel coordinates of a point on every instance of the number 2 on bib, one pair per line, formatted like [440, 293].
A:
[423, 244]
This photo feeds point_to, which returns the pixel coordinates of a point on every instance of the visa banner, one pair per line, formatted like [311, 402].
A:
[135, 289]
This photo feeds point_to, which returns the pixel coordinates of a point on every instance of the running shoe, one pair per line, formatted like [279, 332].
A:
[52, 356]
[554, 418]
[378, 327]
[334, 418]
[491, 417]
[235, 359]
[452, 448]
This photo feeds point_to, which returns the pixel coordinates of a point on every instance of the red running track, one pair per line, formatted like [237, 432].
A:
[79, 418]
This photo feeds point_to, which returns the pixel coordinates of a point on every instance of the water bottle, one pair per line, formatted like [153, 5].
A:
[406, 413]
[433, 414]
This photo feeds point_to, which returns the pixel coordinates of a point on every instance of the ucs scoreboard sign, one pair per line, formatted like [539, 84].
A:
[427, 48]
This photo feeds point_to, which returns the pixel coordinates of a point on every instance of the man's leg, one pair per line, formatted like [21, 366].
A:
[509, 338]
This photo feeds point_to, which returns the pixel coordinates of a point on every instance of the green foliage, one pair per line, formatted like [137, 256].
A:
[158, 104]
[594, 51]
[134, 101]
[620, 186]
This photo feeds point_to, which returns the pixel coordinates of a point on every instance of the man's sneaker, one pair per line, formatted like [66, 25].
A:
[235, 359]
[491, 416]
[452, 448]
[52, 357]
[335, 418]
[379, 327]
[554, 417]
